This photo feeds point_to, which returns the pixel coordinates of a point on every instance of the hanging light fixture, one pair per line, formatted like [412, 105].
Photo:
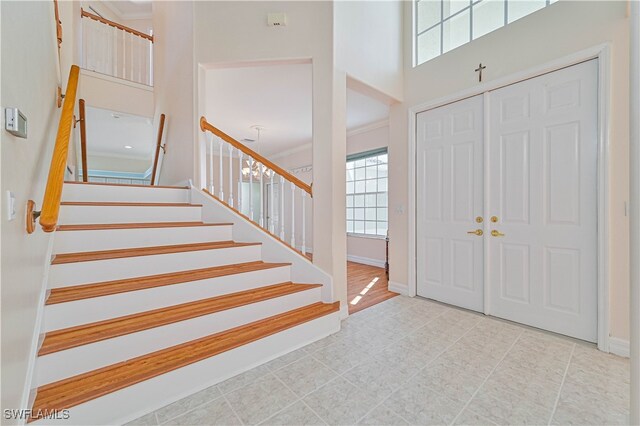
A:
[257, 168]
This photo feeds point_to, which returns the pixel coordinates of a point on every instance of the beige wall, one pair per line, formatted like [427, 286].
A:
[29, 80]
[564, 28]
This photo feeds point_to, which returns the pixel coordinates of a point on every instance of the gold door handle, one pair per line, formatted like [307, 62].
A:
[477, 232]
[495, 233]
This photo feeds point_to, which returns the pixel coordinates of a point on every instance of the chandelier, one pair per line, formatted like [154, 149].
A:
[256, 168]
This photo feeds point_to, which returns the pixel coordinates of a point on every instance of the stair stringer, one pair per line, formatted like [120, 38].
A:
[273, 250]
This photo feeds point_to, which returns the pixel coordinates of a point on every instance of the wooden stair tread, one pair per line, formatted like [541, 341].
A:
[143, 251]
[93, 384]
[72, 337]
[86, 291]
[125, 204]
[101, 226]
[126, 184]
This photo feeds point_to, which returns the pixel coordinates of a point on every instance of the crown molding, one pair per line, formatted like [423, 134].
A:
[368, 127]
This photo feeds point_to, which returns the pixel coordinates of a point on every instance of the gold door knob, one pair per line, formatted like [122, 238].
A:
[495, 233]
[477, 232]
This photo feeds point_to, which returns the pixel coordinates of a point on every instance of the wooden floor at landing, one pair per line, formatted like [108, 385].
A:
[366, 286]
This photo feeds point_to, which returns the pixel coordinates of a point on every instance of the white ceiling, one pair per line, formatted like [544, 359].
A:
[278, 97]
[107, 135]
[130, 9]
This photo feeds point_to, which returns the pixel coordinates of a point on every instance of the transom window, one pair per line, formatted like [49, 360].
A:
[367, 182]
[443, 25]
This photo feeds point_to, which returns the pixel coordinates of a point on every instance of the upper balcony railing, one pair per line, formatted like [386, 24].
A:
[116, 50]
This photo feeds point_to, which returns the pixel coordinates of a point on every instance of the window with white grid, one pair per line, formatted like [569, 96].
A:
[443, 25]
[367, 183]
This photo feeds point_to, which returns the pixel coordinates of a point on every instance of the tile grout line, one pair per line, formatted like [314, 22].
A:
[421, 369]
[564, 377]
[235, 413]
[299, 398]
[487, 378]
[190, 409]
[382, 349]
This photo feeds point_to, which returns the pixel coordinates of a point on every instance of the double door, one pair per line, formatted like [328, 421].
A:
[507, 202]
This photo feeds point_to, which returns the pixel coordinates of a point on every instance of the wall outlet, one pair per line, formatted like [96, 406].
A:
[11, 206]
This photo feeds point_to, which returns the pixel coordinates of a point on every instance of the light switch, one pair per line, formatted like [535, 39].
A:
[400, 209]
[11, 206]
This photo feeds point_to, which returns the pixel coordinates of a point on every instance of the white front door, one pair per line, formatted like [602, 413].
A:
[542, 184]
[450, 191]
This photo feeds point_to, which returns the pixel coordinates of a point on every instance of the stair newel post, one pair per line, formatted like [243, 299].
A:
[282, 208]
[220, 182]
[251, 188]
[239, 202]
[261, 172]
[304, 199]
[293, 215]
[230, 175]
[211, 165]
[271, 224]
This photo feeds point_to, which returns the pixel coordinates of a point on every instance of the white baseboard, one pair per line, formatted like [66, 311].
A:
[399, 288]
[619, 347]
[366, 261]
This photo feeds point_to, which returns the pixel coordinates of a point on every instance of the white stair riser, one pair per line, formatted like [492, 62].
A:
[128, 194]
[82, 215]
[134, 401]
[68, 363]
[68, 274]
[70, 314]
[108, 239]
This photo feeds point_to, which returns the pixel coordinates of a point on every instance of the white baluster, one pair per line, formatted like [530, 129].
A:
[211, 188]
[124, 54]
[251, 188]
[230, 175]
[293, 215]
[115, 52]
[220, 182]
[271, 225]
[261, 171]
[131, 56]
[240, 181]
[304, 199]
[282, 208]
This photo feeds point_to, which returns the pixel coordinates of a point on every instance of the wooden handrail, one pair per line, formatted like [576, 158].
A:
[158, 146]
[58, 23]
[204, 126]
[83, 141]
[84, 13]
[53, 190]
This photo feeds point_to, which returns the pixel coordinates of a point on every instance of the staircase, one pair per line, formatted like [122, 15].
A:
[148, 303]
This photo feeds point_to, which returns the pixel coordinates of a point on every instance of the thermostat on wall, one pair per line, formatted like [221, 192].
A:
[277, 19]
[15, 122]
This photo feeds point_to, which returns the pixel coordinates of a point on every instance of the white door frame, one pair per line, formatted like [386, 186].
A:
[600, 52]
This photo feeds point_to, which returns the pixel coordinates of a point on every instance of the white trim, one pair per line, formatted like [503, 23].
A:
[28, 393]
[290, 151]
[106, 77]
[366, 261]
[600, 52]
[619, 346]
[368, 127]
[399, 288]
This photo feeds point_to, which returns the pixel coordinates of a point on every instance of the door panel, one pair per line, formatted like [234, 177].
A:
[542, 183]
[449, 188]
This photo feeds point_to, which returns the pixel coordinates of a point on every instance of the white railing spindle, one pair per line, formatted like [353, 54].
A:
[240, 181]
[220, 172]
[303, 248]
[211, 187]
[271, 225]
[230, 196]
[293, 215]
[251, 188]
[281, 208]
[261, 172]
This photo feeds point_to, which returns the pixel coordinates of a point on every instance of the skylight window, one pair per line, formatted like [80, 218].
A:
[443, 25]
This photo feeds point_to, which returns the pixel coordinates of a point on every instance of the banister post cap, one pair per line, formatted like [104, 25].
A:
[203, 121]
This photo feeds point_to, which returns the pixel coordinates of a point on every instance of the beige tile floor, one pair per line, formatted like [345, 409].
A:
[412, 361]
